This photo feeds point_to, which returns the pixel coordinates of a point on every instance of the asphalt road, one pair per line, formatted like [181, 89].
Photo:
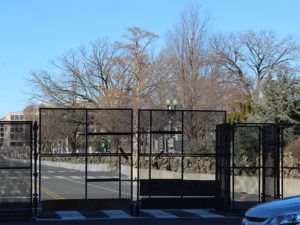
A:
[62, 183]
[180, 221]
[15, 188]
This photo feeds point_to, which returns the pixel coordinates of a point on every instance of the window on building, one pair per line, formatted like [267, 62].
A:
[12, 117]
[17, 117]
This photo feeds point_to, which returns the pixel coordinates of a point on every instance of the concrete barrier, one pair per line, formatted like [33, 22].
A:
[242, 184]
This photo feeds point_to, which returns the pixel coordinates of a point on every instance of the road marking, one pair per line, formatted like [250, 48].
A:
[116, 214]
[70, 215]
[60, 177]
[159, 213]
[205, 213]
[15, 192]
[106, 189]
[45, 190]
[76, 177]
[15, 197]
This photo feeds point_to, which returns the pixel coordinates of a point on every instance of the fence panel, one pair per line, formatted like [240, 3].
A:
[177, 148]
[86, 154]
[16, 168]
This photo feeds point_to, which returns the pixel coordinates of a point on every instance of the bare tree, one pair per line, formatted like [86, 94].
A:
[87, 76]
[247, 58]
[143, 74]
[196, 83]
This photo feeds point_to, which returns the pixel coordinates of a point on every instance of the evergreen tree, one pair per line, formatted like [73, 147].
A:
[279, 100]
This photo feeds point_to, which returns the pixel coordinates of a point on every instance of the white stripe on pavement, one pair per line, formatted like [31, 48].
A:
[116, 214]
[14, 197]
[159, 213]
[205, 213]
[76, 177]
[70, 215]
[60, 177]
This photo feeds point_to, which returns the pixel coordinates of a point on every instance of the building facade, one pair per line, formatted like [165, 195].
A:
[14, 135]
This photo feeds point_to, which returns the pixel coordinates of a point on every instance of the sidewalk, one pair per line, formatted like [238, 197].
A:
[122, 214]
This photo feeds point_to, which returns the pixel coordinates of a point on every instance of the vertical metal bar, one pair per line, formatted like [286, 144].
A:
[150, 155]
[259, 160]
[40, 148]
[182, 151]
[217, 131]
[138, 158]
[131, 155]
[282, 155]
[35, 168]
[278, 159]
[32, 171]
[86, 153]
[275, 169]
[120, 177]
[229, 134]
[233, 163]
[263, 165]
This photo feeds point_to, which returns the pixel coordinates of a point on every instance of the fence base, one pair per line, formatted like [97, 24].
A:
[90, 204]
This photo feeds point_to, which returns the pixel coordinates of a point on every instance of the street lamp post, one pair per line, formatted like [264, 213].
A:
[171, 116]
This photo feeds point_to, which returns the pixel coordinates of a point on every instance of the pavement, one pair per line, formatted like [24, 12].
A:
[62, 183]
[122, 214]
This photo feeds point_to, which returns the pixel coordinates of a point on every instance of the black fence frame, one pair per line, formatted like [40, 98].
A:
[225, 166]
[193, 189]
[86, 154]
[267, 145]
[283, 167]
[32, 194]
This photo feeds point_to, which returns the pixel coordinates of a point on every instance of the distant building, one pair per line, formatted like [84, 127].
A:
[14, 134]
[1, 132]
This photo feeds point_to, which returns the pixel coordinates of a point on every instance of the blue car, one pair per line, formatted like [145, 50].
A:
[283, 211]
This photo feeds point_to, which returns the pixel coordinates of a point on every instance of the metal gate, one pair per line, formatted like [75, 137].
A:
[254, 164]
[16, 169]
[85, 158]
[177, 159]
[223, 137]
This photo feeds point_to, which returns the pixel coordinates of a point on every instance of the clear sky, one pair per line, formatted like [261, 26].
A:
[35, 32]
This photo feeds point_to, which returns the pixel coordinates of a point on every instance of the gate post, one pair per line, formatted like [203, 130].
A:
[35, 173]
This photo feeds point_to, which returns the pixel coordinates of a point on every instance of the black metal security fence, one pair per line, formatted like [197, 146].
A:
[85, 154]
[290, 159]
[16, 168]
[178, 163]
[264, 162]
[255, 157]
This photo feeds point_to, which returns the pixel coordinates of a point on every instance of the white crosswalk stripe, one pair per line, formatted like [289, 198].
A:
[205, 213]
[76, 177]
[117, 214]
[121, 214]
[70, 215]
[159, 213]
[60, 177]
